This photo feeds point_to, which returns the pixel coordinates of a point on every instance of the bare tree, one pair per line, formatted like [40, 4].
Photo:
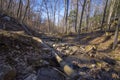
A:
[54, 14]
[66, 14]
[58, 13]
[26, 9]
[117, 21]
[19, 8]
[9, 4]
[48, 16]
[88, 13]
[110, 12]
[104, 15]
[116, 34]
[83, 8]
[76, 16]
[1, 5]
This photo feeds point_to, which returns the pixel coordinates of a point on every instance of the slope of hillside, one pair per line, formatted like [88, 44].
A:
[23, 57]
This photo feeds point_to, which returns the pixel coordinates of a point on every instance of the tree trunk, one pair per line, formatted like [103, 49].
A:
[28, 4]
[110, 12]
[18, 11]
[9, 4]
[21, 8]
[66, 15]
[1, 5]
[83, 8]
[68, 70]
[88, 14]
[54, 13]
[47, 15]
[117, 20]
[59, 15]
[116, 36]
[76, 17]
[104, 14]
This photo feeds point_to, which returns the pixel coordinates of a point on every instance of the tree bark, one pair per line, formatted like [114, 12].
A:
[83, 8]
[117, 20]
[116, 36]
[66, 15]
[9, 4]
[28, 4]
[59, 14]
[55, 3]
[88, 14]
[110, 12]
[70, 72]
[1, 5]
[18, 10]
[48, 16]
[104, 14]
[76, 17]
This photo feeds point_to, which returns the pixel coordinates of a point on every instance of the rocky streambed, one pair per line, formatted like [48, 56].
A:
[24, 58]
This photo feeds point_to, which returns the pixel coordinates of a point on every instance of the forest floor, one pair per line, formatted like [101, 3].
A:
[90, 54]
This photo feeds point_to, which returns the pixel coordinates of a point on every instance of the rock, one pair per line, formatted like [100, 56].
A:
[109, 61]
[29, 69]
[115, 76]
[75, 48]
[84, 69]
[66, 67]
[36, 61]
[17, 47]
[31, 77]
[92, 66]
[63, 44]
[60, 49]
[67, 52]
[60, 45]
[102, 65]
[90, 47]
[7, 18]
[7, 72]
[49, 74]
[1, 27]
[53, 45]
[82, 73]
[50, 43]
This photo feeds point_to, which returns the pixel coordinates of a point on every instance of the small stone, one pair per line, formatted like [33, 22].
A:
[82, 73]
[93, 66]
[17, 47]
[31, 77]
[115, 76]
[60, 49]
[54, 45]
[29, 70]
[44, 62]
[67, 51]
[90, 47]
[84, 69]
[75, 48]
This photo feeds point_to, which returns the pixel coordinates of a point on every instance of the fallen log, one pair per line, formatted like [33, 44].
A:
[69, 71]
